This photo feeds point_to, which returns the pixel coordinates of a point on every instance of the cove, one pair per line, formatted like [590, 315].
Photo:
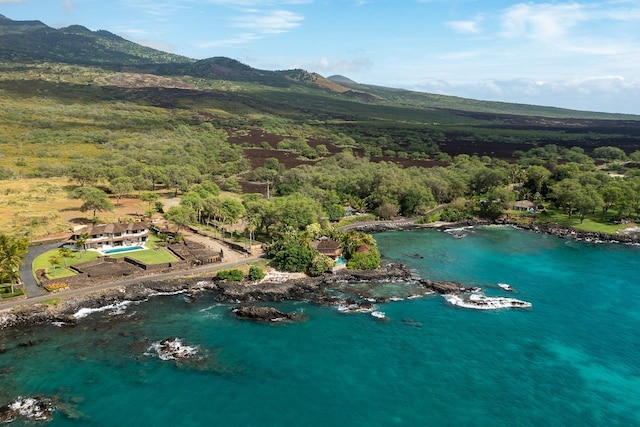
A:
[569, 360]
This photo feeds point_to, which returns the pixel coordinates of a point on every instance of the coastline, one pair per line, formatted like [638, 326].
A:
[282, 287]
[550, 229]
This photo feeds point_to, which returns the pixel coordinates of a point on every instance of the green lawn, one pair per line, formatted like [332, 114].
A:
[149, 256]
[591, 223]
[60, 271]
[5, 291]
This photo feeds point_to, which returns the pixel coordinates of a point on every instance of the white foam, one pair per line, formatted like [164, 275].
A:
[172, 349]
[378, 314]
[161, 294]
[31, 408]
[505, 286]
[355, 308]
[482, 302]
[118, 308]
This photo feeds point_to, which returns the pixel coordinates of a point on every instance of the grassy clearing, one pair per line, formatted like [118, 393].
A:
[591, 223]
[5, 291]
[36, 207]
[42, 262]
[149, 256]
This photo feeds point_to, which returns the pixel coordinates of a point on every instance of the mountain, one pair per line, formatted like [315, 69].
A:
[341, 79]
[74, 64]
[33, 41]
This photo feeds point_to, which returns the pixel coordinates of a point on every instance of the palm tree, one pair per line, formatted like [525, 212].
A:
[81, 241]
[65, 253]
[12, 252]
[54, 260]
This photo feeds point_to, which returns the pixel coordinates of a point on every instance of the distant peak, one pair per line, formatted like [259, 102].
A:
[341, 79]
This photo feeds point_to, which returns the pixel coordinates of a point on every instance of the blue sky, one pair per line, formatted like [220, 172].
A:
[576, 54]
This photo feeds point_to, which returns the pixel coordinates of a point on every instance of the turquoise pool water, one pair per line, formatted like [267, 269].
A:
[124, 249]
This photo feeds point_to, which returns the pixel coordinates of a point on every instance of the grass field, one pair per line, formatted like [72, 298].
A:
[591, 222]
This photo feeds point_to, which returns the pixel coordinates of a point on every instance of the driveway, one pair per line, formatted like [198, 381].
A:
[30, 285]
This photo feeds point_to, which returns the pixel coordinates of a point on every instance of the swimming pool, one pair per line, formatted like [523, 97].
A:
[123, 249]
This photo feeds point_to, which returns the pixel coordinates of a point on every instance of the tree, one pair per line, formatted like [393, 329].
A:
[364, 260]
[566, 194]
[84, 173]
[65, 253]
[81, 240]
[536, 177]
[292, 256]
[121, 186]
[387, 210]
[587, 201]
[255, 273]
[54, 260]
[320, 264]
[182, 216]
[609, 153]
[93, 199]
[12, 253]
[150, 197]
[611, 193]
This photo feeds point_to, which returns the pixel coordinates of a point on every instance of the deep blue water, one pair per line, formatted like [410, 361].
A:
[573, 359]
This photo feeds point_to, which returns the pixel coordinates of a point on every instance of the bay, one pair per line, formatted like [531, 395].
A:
[572, 359]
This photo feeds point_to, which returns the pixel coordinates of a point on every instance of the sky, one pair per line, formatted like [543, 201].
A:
[581, 54]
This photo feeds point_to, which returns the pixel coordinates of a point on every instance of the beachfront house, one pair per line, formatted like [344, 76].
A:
[524, 206]
[106, 236]
[327, 247]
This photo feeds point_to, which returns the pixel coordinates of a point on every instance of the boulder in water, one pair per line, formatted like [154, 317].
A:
[264, 314]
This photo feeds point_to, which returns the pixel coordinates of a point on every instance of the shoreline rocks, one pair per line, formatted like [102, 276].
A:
[307, 288]
[264, 314]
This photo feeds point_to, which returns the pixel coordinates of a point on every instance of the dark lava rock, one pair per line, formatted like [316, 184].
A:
[264, 314]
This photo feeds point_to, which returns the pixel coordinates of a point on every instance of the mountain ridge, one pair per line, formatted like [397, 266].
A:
[34, 41]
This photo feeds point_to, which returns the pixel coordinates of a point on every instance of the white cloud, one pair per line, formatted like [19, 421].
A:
[609, 93]
[324, 65]
[158, 8]
[471, 26]
[270, 22]
[68, 5]
[233, 41]
[541, 22]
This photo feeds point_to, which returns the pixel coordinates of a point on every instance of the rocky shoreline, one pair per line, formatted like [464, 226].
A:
[313, 289]
[551, 229]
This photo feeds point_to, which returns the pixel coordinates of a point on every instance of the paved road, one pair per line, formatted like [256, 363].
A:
[26, 274]
[229, 262]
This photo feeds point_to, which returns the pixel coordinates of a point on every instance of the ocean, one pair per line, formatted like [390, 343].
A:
[572, 359]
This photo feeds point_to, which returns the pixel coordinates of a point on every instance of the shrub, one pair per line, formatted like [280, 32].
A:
[320, 264]
[364, 260]
[234, 275]
[255, 273]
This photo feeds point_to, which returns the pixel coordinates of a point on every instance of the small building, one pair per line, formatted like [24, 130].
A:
[111, 235]
[524, 206]
[327, 247]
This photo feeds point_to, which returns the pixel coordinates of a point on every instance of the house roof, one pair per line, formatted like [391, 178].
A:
[113, 228]
[327, 245]
[524, 204]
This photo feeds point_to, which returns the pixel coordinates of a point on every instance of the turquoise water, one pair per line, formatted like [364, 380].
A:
[125, 249]
[570, 360]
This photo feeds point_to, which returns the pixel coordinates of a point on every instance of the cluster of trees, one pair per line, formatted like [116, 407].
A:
[12, 253]
[236, 275]
[293, 252]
